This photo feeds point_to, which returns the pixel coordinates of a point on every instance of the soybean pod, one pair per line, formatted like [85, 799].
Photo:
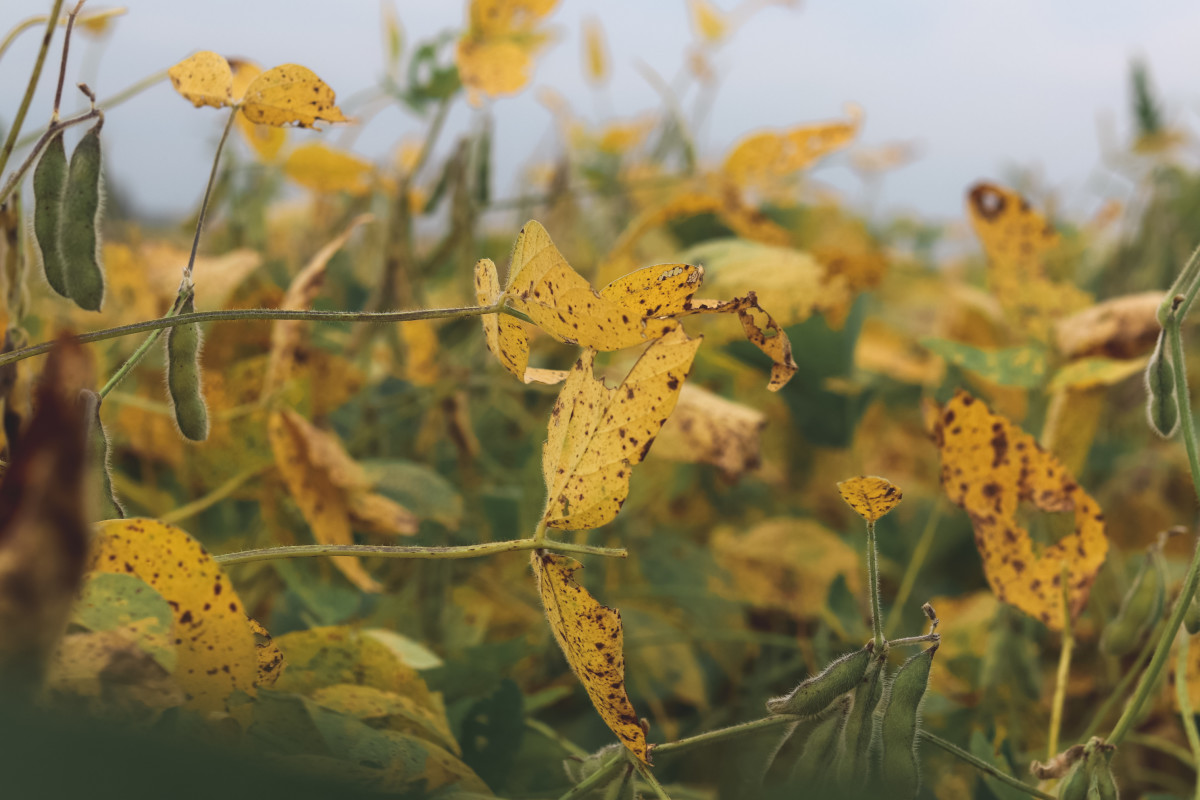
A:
[108, 506]
[183, 376]
[855, 759]
[1141, 606]
[49, 188]
[899, 768]
[1162, 409]
[818, 692]
[79, 233]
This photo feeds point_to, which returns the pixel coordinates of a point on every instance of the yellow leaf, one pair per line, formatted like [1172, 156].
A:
[321, 168]
[214, 645]
[1120, 327]
[495, 54]
[504, 335]
[288, 335]
[317, 486]
[595, 51]
[709, 429]
[1094, 373]
[870, 497]
[205, 79]
[290, 94]
[658, 291]
[769, 155]
[592, 639]
[99, 22]
[597, 434]
[709, 21]
[266, 141]
[786, 564]
[765, 334]
[561, 302]
[378, 514]
[420, 352]
[270, 659]
[989, 466]
[1017, 240]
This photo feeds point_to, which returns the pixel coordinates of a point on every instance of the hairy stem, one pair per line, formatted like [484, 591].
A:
[655, 786]
[1064, 667]
[137, 356]
[732, 732]
[597, 778]
[873, 580]
[983, 766]
[418, 552]
[19, 120]
[1188, 431]
[252, 314]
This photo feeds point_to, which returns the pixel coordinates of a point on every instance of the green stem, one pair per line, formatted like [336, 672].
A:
[19, 120]
[649, 778]
[212, 180]
[912, 572]
[1187, 430]
[1064, 666]
[732, 732]
[418, 552]
[1186, 712]
[556, 737]
[597, 778]
[873, 580]
[137, 356]
[983, 766]
[253, 314]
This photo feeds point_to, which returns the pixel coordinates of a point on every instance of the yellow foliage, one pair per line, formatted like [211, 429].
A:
[597, 434]
[869, 496]
[770, 155]
[593, 641]
[709, 429]
[290, 94]
[214, 643]
[204, 78]
[495, 54]
[990, 466]
[322, 168]
[265, 140]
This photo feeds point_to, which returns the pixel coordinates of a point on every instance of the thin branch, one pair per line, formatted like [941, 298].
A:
[597, 778]
[240, 315]
[983, 766]
[14, 180]
[62, 69]
[1064, 666]
[30, 89]
[416, 552]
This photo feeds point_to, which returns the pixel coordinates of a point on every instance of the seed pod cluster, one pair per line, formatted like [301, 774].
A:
[68, 203]
[1162, 408]
[1141, 607]
[849, 746]
[1091, 778]
[183, 376]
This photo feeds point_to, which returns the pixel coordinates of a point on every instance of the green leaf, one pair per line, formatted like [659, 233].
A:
[1024, 367]
[112, 600]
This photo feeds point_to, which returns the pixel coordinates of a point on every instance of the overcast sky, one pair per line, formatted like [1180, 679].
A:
[981, 86]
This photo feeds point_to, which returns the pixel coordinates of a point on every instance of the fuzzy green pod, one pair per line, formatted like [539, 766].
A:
[814, 768]
[1141, 607]
[854, 761]
[899, 768]
[1162, 408]
[107, 505]
[79, 234]
[183, 376]
[1097, 760]
[49, 188]
[1075, 786]
[1191, 619]
[818, 692]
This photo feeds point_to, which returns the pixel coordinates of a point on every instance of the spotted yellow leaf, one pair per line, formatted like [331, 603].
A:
[204, 78]
[290, 94]
[592, 639]
[561, 302]
[657, 291]
[503, 334]
[214, 645]
[769, 155]
[323, 168]
[597, 434]
[989, 467]
[870, 497]
[1018, 240]
[266, 140]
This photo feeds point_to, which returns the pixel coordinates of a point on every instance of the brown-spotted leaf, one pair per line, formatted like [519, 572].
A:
[204, 78]
[215, 647]
[761, 330]
[869, 496]
[989, 466]
[561, 302]
[592, 639]
[1018, 240]
[597, 434]
[709, 429]
[658, 291]
[265, 140]
[290, 94]
[287, 336]
[270, 658]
